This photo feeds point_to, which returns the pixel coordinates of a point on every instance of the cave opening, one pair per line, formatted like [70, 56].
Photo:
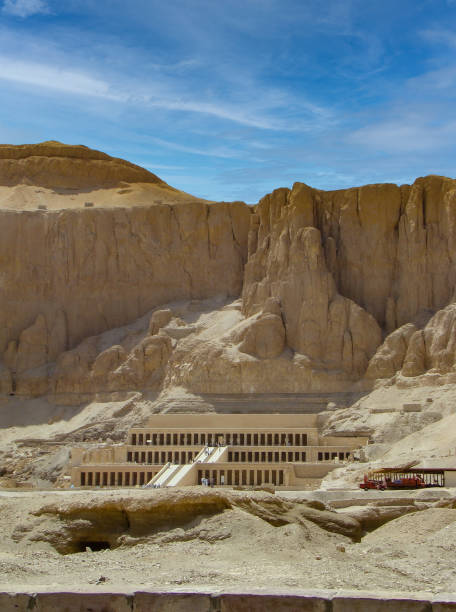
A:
[94, 545]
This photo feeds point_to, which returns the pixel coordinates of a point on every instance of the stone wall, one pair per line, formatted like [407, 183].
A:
[303, 601]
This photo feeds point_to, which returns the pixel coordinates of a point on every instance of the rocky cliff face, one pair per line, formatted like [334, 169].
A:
[351, 265]
[389, 249]
[337, 287]
[101, 268]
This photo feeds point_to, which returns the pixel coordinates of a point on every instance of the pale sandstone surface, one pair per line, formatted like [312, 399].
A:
[344, 264]
[103, 266]
[204, 346]
[323, 275]
[200, 539]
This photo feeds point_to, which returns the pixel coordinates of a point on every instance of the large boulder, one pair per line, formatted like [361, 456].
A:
[264, 337]
[390, 356]
[159, 319]
[434, 347]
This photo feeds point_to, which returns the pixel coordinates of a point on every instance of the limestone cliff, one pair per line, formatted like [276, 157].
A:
[70, 273]
[348, 265]
[336, 288]
[389, 249]
[103, 268]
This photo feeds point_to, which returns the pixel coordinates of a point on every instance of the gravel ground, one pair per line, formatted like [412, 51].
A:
[234, 549]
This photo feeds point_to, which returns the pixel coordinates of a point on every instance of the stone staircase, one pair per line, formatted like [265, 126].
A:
[172, 475]
[163, 477]
[179, 474]
[216, 454]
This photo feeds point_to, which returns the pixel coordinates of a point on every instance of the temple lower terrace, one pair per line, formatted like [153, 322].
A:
[281, 450]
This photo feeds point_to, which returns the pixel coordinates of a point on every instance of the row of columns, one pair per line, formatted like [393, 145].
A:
[182, 457]
[331, 455]
[115, 479]
[242, 477]
[266, 456]
[161, 457]
[213, 439]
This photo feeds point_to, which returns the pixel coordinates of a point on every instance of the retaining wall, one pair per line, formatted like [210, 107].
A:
[259, 601]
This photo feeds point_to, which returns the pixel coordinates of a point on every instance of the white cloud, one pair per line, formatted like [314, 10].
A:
[237, 115]
[75, 82]
[207, 152]
[42, 75]
[265, 114]
[24, 8]
[406, 134]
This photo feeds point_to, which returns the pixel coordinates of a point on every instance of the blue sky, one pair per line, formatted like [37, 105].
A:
[229, 100]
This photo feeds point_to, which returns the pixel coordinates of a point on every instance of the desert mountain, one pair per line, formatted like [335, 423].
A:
[54, 165]
[114, 282]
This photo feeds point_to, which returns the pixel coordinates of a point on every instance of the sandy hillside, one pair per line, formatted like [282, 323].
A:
[30, 197]
[55, 176]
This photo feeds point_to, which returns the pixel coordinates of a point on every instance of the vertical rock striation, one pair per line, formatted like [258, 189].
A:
[350, 264]
[104, 268]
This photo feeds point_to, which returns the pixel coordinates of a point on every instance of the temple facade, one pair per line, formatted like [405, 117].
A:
[281, 450]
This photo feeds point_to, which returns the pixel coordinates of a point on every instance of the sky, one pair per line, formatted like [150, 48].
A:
[231, 99]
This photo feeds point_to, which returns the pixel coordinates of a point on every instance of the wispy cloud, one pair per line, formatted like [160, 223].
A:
[154, 167]
[406, 134]
[78, 82]
[24, 8]
[208, 151]
[418, 119]
[440, 36]
[49, 77]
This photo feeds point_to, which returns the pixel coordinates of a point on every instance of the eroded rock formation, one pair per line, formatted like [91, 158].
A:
[337, 289]
[351, 265]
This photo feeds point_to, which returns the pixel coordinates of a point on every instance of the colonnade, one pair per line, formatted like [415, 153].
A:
[290, 456]
[116, 479]
[331, 455]
[266, 456]
[161, 457]
[215, 438]
[242, 476]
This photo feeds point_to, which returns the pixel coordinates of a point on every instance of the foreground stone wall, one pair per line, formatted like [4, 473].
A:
[317, 601]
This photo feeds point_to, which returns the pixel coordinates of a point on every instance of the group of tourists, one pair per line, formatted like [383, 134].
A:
[210, 482]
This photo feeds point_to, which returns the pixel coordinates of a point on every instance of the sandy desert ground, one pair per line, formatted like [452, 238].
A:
[208, 539]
